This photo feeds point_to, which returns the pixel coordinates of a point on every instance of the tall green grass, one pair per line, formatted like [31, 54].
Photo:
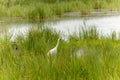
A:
[26, 58]
[42, 9]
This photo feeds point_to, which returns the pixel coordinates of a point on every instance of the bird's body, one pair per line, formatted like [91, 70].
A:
[54, 50]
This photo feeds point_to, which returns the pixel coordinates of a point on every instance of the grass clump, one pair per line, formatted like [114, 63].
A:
[42, 9]
[27, 58]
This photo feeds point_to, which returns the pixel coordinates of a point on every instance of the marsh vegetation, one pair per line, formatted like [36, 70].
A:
[26, 57]
[41, 9]
[86, 55]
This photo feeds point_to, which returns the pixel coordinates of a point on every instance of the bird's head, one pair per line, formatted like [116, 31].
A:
[60, 38]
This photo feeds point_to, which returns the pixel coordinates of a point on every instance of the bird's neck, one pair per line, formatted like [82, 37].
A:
[57, 43]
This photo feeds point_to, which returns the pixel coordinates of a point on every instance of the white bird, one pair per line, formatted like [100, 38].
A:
[54, 50]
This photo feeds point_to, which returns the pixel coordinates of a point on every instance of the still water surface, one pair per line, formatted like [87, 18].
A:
[67, 26]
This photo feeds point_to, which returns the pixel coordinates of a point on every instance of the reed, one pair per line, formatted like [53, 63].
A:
[26, 58]
[42, 9]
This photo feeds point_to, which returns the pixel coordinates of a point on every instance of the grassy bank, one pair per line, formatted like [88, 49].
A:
[39, 9]
[26, 58]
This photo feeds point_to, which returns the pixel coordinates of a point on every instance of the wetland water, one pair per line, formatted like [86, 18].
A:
[67, 26]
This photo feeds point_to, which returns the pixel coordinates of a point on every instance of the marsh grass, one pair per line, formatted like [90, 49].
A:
[40, 9]
[30, 61]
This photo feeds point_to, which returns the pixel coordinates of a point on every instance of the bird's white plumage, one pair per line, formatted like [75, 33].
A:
[54, 50]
